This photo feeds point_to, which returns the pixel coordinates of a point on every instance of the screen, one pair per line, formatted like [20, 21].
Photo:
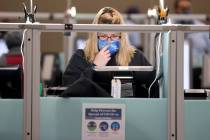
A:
[11, 82]
[140, 76]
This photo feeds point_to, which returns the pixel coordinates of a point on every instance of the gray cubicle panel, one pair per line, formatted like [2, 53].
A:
[196, 120]
[144, 118]
[11, 119]
[60, 118]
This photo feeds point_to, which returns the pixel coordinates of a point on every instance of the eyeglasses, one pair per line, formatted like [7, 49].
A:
[106, 37]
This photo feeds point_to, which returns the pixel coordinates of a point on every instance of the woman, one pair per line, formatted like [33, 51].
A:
[104, 49]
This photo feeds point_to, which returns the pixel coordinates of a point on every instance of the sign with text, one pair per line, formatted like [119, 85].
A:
[103, 122]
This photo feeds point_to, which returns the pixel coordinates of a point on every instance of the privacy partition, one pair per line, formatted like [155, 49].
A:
[169, 117]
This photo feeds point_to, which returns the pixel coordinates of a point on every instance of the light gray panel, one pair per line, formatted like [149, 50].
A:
[197, 120]
[61, 118]
[11, 119]
[145, 118]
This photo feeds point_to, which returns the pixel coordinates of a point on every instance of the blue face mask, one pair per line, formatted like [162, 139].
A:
[113, 45]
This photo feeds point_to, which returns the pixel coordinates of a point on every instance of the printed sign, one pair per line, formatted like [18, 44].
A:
[103, 122]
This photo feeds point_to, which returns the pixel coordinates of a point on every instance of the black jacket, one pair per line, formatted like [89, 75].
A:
[80, 70]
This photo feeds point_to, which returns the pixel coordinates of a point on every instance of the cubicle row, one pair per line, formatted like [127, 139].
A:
[169, 117]
[144, 118]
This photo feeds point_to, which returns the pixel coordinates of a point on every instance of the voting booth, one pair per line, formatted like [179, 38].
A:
[168, 117]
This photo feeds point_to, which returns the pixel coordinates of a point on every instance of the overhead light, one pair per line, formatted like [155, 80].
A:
[72, 11]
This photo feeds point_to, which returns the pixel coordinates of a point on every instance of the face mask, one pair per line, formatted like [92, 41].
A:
[113, 45]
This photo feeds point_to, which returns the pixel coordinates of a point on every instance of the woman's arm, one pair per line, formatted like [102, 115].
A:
[77, 65]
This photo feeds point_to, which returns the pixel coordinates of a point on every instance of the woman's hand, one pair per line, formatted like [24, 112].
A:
[103, 57]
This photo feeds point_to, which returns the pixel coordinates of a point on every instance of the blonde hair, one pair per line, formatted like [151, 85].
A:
[108, 15]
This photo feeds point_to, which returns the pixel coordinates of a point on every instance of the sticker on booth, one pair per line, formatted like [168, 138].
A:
[103, 122]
